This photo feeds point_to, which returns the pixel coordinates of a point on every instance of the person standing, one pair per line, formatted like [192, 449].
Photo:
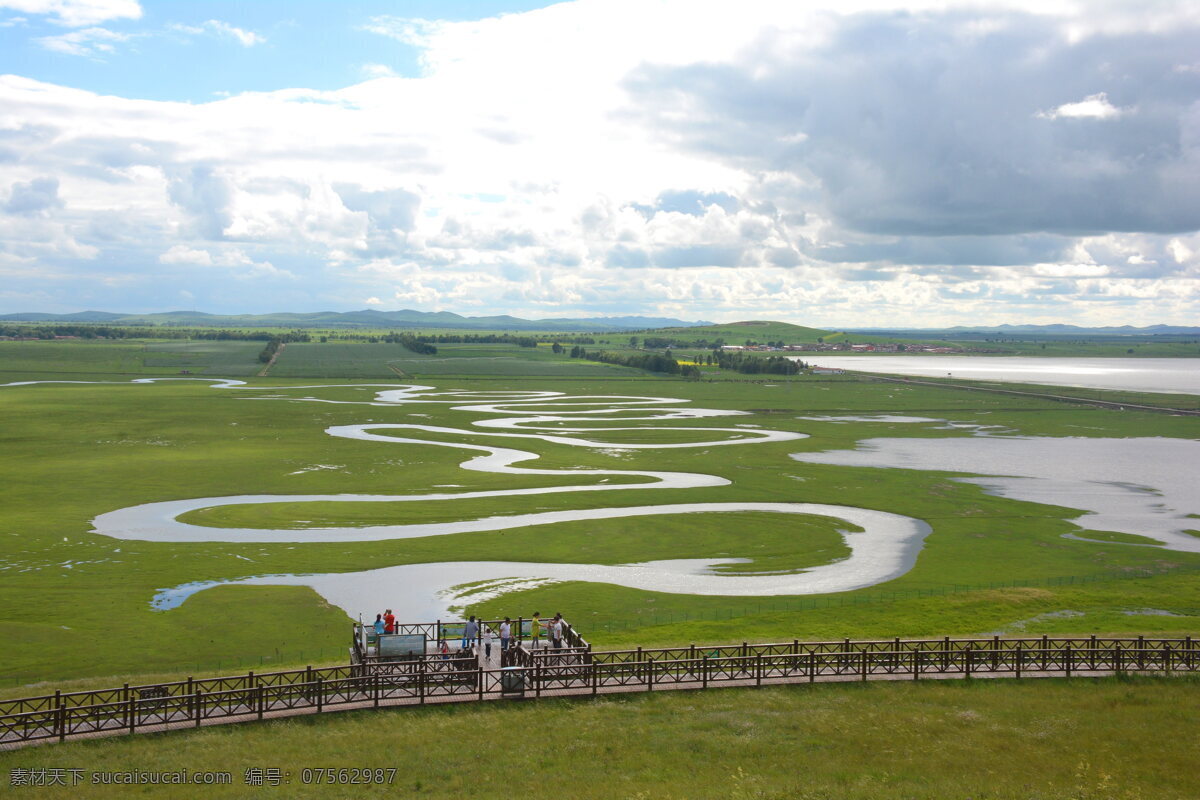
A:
[505, 635]
[535, 631]
[389, 622]
[380, 625]
[470, 633]
[556, 632]
[487, 642]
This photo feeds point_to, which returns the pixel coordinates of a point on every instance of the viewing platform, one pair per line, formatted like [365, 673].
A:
[436, 648]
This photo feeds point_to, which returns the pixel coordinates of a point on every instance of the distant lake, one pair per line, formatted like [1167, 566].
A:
[1166, 375]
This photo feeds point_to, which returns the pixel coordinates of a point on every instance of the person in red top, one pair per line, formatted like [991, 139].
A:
[389, 622]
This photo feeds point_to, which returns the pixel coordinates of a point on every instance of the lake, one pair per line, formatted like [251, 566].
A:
[1161, 375]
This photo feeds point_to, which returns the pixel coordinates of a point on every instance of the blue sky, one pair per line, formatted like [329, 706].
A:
[868, 162]
[173, 52]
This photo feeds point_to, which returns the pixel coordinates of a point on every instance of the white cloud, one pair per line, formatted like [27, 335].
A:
[222, 29]
[1094, 106]
[84, 42]
[77, 13]
[712, 165]
[182, 254]
[373, 71]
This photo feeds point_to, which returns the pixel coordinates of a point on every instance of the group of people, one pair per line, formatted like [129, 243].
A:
[474, 630]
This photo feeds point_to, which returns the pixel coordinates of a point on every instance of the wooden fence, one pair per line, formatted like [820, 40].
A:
[196, 702]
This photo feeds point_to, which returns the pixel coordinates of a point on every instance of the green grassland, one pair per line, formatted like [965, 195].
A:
[45, 359]
[1079, 739]
[76, 604]
[392, 361]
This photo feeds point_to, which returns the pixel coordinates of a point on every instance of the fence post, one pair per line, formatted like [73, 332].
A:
[1118, 658]
[421, 679]
[704, 672]
[1141, 661]
[1020, 658]
[968, 659]
[1092, 655]
[863, 666]
[1045, 651]
[1068, 657]
[595, 676]
[537, 677]
[376, 685]
[758, 669]
[320, 694]
[1166, 658]
[260, 699]
[1189, 654]
[946, 654]
[916, 663]
[995, 653]
[199, 706]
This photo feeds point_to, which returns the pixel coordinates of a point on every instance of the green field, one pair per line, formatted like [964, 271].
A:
[1080, 739]
[45, 360]
[73, 451]
[393, 361]
[74, 606]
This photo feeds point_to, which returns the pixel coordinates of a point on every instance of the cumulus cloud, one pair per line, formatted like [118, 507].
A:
[1094, 106]
[825, 164]
[913, 125]
[33, 197]
[182, 254]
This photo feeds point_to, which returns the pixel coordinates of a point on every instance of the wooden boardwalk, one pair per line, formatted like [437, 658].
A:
[572, 672]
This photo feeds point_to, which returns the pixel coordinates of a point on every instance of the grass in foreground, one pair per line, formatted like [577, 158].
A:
[1093, 739]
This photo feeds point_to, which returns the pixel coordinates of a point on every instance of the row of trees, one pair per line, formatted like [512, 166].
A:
[654, 362]
[113, 332]
[268, 352]
[412, 343]
[739, 361]
[498, 338]
[663, 343]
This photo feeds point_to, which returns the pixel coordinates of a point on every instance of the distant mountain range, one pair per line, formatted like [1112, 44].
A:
[359, 319]
[1049, 330]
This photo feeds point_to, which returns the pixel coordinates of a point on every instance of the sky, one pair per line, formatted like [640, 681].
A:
[862, 163]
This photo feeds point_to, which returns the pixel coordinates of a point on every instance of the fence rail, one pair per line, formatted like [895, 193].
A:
[195, 702]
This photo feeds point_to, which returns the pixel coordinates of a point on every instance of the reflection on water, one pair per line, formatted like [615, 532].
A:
[1141, 486]
[1162, 375]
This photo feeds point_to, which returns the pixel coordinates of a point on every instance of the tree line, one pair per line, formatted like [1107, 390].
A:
[123, 332]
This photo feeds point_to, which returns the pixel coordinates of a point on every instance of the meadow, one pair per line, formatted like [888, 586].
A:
[74, 606]
[394, 361]
[1077, 739]
[66, 359]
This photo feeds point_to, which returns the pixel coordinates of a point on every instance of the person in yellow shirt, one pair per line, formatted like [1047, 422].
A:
[535, 631]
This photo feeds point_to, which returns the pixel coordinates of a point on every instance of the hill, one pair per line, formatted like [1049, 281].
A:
[366, 318]
[739, 332]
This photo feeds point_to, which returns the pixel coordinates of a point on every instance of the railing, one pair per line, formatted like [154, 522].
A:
[451, 630]
[572, 672]
[944, 645]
